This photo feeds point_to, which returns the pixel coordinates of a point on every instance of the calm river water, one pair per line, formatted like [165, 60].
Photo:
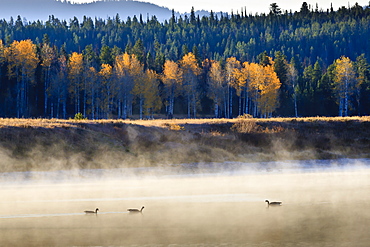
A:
[325, 203]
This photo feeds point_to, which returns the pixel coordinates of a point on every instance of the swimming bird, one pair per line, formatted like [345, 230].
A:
[273, 203]
[135, 210]
[92, 212]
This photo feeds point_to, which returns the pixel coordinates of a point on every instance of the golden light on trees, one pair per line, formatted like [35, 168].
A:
[75, 70]
[172, 80]
[152, 102]
[107, 90]
[264, 87]
[22, 62]
[268, 100]
[217, 86]
[344, 83]
[22, 58]
[190, 72]
[47, 58]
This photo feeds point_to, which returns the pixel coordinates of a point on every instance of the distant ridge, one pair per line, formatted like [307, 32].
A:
[33, 10]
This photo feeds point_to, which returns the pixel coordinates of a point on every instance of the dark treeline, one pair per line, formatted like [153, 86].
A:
[319, 56]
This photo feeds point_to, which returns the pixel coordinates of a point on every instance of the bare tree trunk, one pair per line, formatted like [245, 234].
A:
[46, 85]
[231, 103]
[141, 101]
[246, 101]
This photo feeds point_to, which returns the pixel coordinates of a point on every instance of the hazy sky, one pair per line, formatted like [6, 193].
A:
[253, 6]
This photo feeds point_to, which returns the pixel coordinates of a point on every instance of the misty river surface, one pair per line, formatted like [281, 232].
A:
[325, 203]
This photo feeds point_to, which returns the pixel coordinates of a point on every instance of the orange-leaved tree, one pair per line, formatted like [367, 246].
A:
[152, 100]
[48, 56]
[269, 94]
[190, 71]
[217, 87]
[127, 73]
[22, 62]
[107, 90]
[264, 88]
[172, 80]
[124, 84]
[344, 83]
[75, 72]
[232, 74]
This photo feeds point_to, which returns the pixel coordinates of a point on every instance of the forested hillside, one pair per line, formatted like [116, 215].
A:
[41, 9]
[307, 63]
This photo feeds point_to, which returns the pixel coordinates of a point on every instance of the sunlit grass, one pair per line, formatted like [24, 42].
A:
[163, 123]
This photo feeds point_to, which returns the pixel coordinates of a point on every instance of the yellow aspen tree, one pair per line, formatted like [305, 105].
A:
[241, 77]
[264, 88]
[2, 53]
[122, 65]
[124, 84]
[246, 77]
[107, 89]
[75, 71]
[139, 91]
[217, 86]
[190, 71]
[255, 77]
[138, 76]
[172, 80]
[269, 93]
[47, 58]
[344, 83]
[152, 102]
[232, 71]
[22, 62]
[136, 67]
[128, 72]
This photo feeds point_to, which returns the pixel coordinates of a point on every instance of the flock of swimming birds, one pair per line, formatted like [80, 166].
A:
[136, 210]
[131, 210]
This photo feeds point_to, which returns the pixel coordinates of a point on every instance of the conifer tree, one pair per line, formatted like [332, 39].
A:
[362, 68]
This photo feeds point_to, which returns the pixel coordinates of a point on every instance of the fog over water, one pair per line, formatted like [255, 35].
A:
[325, 203]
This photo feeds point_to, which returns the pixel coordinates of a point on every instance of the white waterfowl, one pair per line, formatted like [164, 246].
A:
[92, 212]
[135, 210]
[273, 203]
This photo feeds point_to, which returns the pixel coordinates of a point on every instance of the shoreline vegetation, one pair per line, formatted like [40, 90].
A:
[55, 144]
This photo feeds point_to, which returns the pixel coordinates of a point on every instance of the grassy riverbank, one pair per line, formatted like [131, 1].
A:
[43, 144]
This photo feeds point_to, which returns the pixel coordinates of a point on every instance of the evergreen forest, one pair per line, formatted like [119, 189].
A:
[311, 62]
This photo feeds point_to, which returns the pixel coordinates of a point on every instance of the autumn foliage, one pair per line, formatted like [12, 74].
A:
[124, 86]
